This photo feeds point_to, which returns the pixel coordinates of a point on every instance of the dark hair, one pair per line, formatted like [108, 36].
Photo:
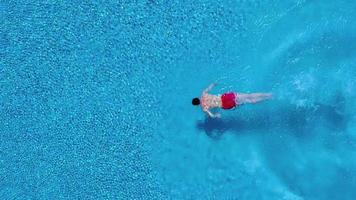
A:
[196, 101]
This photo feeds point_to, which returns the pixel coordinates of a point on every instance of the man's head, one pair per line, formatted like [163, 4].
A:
[196, 101]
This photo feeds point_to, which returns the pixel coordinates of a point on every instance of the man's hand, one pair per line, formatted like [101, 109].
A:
[217, 115]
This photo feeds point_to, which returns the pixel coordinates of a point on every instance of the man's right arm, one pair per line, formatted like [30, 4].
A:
[211, 114]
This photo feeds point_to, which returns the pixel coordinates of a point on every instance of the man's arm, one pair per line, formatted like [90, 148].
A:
[209, 88]
[212, 115]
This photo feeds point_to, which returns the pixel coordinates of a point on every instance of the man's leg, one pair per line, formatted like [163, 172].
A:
[242, 98]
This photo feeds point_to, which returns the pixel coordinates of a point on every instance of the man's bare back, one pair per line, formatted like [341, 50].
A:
[226, 101]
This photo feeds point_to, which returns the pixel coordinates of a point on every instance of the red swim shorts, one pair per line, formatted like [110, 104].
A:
[228, 100]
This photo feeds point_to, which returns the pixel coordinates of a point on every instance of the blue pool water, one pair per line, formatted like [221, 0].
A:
[95, 99]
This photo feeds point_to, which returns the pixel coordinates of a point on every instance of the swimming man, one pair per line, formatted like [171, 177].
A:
[227, 101]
